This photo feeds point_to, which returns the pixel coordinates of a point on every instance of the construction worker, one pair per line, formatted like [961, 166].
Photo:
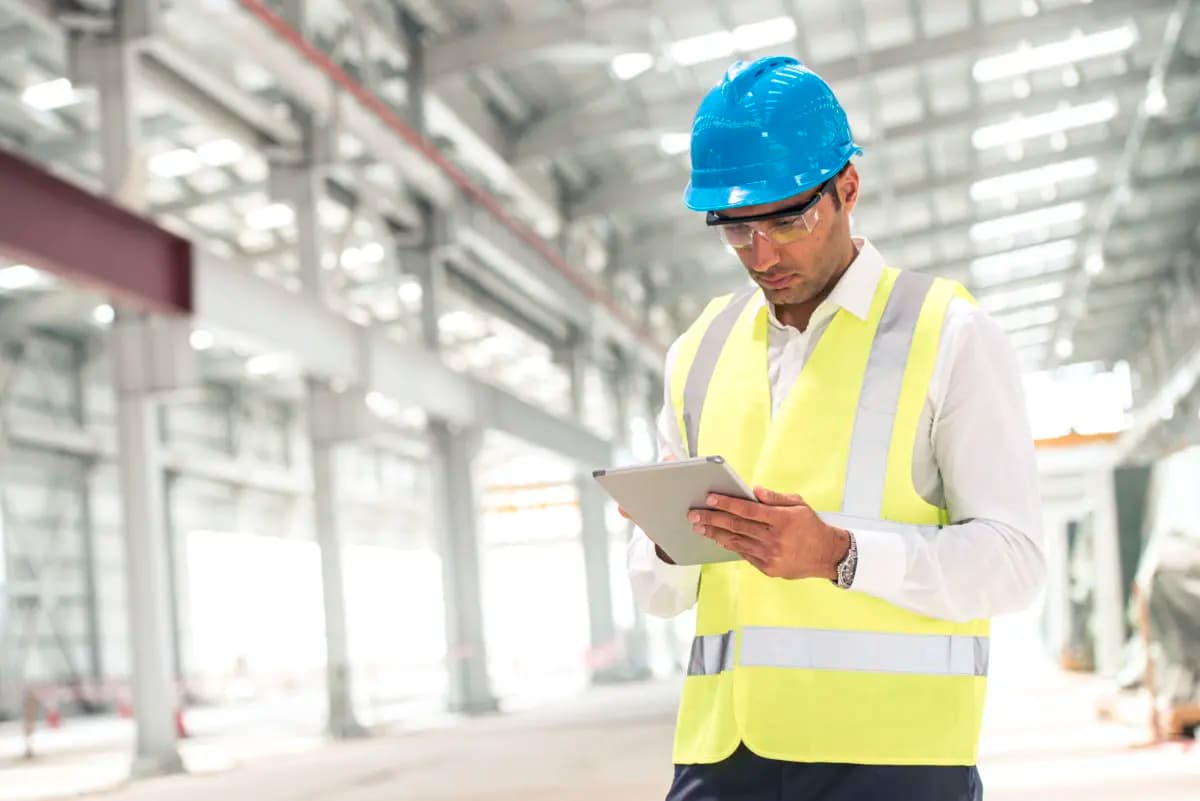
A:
[879, 415]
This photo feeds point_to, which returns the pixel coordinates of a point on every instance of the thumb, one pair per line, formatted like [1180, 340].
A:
[773, 498]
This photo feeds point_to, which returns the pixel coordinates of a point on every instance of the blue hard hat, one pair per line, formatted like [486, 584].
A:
[769, 130]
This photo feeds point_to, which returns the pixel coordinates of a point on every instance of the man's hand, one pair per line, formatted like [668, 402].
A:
[781, 535]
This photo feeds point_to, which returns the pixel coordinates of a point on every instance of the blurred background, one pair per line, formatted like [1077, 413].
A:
[315, 317]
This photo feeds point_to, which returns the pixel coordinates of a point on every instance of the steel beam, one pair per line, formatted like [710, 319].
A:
[104, 247]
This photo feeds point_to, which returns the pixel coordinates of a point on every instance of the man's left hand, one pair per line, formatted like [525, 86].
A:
[780, 535]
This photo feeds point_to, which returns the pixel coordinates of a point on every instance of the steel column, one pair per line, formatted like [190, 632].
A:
[140, 473]
[457, 497]
[140, 368]
[637, 647]
[325, 456]
[453, 450]
[1109, 622]
[301, 185]
[593, 537]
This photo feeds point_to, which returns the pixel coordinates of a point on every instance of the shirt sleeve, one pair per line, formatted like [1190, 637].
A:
[989, 561]
[661, 589]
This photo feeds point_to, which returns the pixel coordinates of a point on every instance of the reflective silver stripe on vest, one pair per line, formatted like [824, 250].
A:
[878, 652]
[711, 654]
[866, 468]
[695, 388]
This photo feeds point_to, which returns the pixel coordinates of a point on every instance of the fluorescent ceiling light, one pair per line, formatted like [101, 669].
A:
[410, 292]
[201, 339]
[220, 152]
[50, 95]
[1024, 262]
[758, 35]
[276, 215]
[1002, 185]
[630, 65]
[1061, 119]
[22, 276]
[675, 143]
[462, 323]
[1055, 54]
[104, 314]
[1039, 218]
[175, 163]
[264, 364]
[1025, 296]
[372, 251]
[382, 405]
[698, 49]
[1156, 102]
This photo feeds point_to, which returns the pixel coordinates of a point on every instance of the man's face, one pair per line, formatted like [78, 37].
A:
[799, 268]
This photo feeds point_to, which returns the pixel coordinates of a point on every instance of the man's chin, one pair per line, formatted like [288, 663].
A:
[785, 296]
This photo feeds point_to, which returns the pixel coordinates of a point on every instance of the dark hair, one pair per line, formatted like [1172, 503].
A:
[837, 199]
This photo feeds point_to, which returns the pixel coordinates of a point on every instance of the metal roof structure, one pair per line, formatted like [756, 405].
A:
[1046, 152]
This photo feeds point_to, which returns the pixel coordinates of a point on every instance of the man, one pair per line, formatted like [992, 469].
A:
[879, 415]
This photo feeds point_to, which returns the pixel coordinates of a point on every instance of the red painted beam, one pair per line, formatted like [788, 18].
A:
[56, 226]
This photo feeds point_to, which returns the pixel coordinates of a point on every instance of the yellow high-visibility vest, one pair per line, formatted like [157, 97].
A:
[801, 670]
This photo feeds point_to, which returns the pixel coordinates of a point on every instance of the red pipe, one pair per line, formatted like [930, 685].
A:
[419, 143]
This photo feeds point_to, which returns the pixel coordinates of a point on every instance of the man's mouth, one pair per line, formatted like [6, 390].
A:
[778, 282]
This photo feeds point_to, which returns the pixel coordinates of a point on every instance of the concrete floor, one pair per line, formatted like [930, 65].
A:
[1042, 741]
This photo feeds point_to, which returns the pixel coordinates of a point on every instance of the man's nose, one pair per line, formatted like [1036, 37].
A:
[764, 252]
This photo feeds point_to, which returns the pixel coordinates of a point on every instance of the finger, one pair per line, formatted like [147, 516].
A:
[624, 514]
[773, 498]
[743, 546]
[731, 522]
[748, 510]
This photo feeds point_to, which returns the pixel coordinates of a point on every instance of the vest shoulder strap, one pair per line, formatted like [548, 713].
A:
[704, 363]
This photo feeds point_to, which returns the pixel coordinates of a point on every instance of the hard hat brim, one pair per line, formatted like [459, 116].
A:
[720, 198]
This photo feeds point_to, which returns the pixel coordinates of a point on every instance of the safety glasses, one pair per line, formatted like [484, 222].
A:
[779, 227]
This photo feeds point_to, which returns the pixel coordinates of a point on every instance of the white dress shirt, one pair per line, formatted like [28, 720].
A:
[974, 455]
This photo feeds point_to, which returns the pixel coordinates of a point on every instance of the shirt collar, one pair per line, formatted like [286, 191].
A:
[854, 291]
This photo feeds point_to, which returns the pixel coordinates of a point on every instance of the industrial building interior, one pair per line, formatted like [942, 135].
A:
[316, 317]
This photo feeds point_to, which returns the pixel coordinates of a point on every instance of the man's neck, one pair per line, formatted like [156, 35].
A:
[798, 315]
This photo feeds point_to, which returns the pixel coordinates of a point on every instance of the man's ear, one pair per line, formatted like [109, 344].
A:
[847, 186]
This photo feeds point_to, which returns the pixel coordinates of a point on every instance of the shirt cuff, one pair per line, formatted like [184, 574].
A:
[882, 562]
[663, 590]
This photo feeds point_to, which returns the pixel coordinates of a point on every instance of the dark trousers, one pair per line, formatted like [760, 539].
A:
[745, 776]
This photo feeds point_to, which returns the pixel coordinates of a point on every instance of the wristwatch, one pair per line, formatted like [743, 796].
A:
[848, 565]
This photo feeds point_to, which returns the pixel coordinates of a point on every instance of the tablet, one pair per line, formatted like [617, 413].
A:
[659, 496]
